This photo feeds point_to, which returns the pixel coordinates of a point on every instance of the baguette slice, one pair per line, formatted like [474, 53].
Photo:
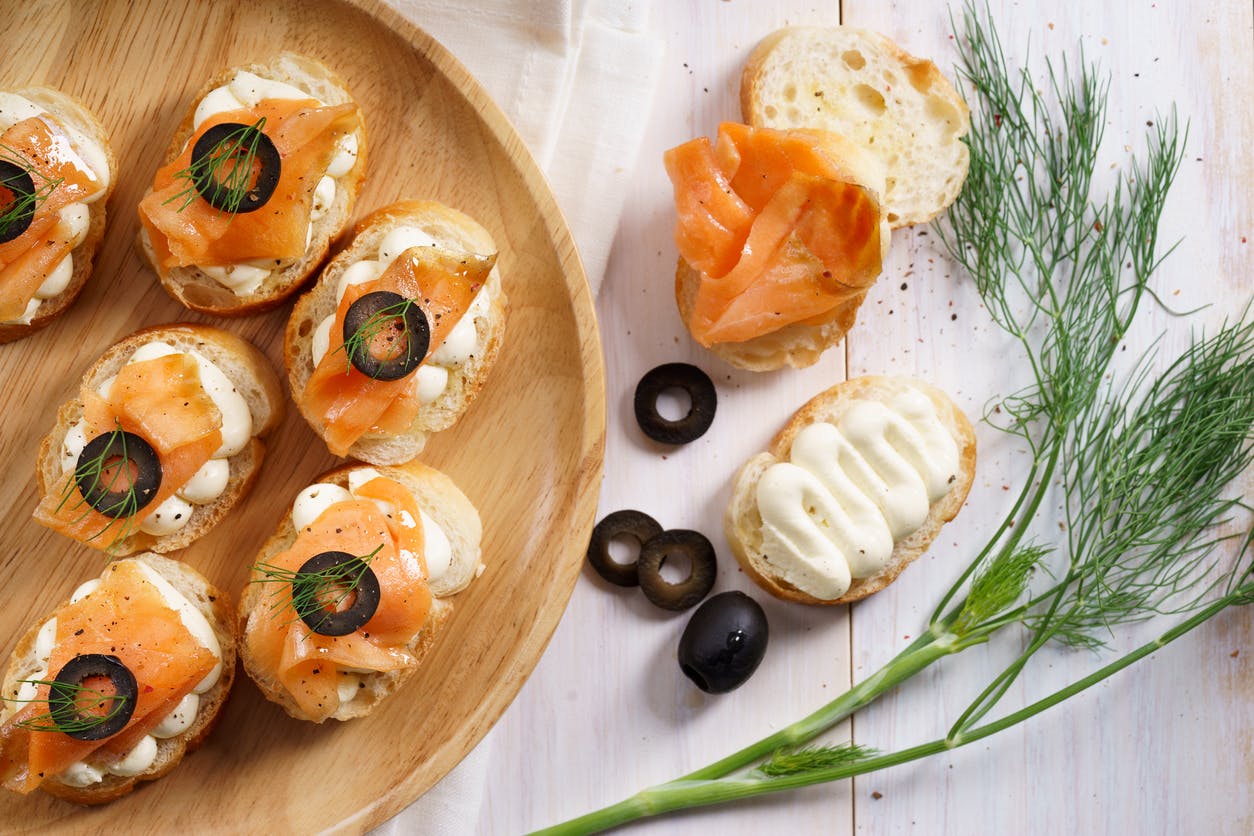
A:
[441, 500]
[24, 664]
[743, 522]
[800, 344]
[451, 230]
[253, 377]
[862, 85]
[72, 113]
[197, 289]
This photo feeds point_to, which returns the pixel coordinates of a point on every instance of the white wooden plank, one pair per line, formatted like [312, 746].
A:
[1164, 747]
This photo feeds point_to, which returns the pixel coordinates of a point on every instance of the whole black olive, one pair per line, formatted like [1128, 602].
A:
[724, 642]
[85, 713]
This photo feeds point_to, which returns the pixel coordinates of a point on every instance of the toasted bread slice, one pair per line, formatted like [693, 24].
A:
[451, 230]
[743, 521]
[862, 85]
[800, 344]
[197, 289]
[73, 114]
[441, 500]
[26, 664]
[252, 376]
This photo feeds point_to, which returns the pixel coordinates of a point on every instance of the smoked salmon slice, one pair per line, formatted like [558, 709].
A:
[38, 145]
[776, 227]
[308, 663]
[195, 233]
[164, 402]
[347, 404]
[126, 617]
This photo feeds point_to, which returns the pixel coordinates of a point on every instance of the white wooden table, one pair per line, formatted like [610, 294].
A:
[1165, 747]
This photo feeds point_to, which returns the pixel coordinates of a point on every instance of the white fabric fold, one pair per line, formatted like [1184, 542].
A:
[576, 78]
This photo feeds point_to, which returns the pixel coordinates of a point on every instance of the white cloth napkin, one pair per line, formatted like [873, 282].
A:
[576, 77]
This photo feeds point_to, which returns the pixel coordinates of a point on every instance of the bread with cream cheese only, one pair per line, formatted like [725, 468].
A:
[453, 373]
[452, 534]
[256, 285]
[861, 85]
[103, 777]
[87, 218]
[799, 541]
[242, 384]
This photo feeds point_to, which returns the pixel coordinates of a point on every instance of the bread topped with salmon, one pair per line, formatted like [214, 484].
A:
[397, 337]
[261, 175]
[853, 489]
[861, 85]
[161, 440]
[57, 173]
[780, 233]
[345, 600]
[116, 684]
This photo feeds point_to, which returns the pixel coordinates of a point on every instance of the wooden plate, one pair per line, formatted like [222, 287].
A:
[528, 453]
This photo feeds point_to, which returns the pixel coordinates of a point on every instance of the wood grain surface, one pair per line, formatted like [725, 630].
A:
[1163, 748]
[528, 453]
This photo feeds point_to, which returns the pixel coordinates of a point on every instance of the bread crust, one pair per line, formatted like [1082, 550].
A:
[743, 523]
[452, 230]
[919, 74]
[252, 375]
[198, 290]
[71, 111]
[217, 610]
[444, 502]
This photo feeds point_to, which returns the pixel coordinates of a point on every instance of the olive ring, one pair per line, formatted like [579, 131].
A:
[703, 567]
[139, 487]
[700, 390]
[312, 609]
[18, 181]
[65, 696]
[233, 136]
[634, 524]
[375, 306]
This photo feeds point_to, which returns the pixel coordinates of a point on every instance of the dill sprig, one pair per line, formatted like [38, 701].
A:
[391, 317]
[90, 708]
[24, 205]
[790, 761]
[228, 166]
[118, 463]
[305, 592]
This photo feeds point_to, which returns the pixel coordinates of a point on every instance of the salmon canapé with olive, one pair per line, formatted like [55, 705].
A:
[162, 439]
[345, 600]
[259, 179]
[116, 684]
[56, 175]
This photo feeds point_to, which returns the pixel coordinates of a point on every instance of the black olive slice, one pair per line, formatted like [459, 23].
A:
[724, 642]
[635, 524]
[700, 390]
[77, 709]
[700, 580]
[240, 142]
[120, 460]
[22, 188]
[393, 318]
[312, 607]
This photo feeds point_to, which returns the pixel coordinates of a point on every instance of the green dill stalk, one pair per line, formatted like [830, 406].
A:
[91, 708]
[1143, 468]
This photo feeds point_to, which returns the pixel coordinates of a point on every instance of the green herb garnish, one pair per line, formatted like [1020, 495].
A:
[89, 707]
[390, 318]
[229, 166]
[307, 592]
[24, 205]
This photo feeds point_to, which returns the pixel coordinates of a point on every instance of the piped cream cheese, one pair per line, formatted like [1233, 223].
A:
[851, 490]
[247, 90]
